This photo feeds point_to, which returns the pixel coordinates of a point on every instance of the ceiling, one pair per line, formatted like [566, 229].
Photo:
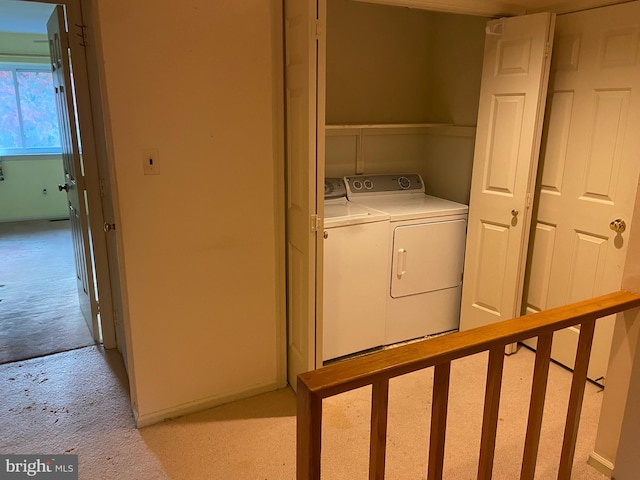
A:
[24, 17]
[494, 8]
[31, 17]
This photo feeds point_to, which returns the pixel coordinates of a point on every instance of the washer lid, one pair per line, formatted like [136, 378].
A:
[340, 213]
[414, 206]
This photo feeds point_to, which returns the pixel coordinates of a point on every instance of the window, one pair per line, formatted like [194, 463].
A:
[28, 117]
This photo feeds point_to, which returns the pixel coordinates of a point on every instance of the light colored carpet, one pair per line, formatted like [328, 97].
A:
[76, 402]
[39, 309]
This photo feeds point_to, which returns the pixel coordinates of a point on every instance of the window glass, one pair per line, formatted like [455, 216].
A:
[38, 109]
[9, 121]
[28, 117]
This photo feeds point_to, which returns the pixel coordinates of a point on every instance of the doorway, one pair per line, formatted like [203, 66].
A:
[40, 312]
[93, 186]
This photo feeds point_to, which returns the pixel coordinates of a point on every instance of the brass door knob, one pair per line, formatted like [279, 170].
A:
[618, 225]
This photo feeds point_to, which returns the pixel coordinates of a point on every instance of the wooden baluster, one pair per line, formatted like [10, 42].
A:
[378, 446]
[439, 407]
[309, 432]
[575, 399]
[491, 407]
[536, 406]
[361, 371]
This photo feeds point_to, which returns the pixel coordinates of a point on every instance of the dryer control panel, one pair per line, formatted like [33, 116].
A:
[361, 185]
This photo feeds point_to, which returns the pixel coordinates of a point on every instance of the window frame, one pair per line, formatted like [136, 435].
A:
[14, 67]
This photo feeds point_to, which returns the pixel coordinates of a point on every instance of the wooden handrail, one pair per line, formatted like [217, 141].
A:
[376, 369]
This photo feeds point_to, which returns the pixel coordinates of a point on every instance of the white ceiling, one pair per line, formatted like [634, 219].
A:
[491, 8]
[24, 17]
[31, 17]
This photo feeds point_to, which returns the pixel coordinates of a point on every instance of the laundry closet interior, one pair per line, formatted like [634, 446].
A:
[402, 93]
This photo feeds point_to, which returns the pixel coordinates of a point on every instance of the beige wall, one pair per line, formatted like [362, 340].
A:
[398, 65]
[200, 82]
[393, 65]
[616, 445]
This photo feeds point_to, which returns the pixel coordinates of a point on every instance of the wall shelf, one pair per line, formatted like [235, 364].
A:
[442, 129]
[360, 140]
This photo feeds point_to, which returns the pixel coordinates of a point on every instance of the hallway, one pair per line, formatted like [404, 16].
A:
[77, 402]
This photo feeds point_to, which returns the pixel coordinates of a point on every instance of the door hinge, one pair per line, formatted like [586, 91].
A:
[529, 200]
[82, 34]
[116, 319]
[103, 188]
[316, 223]
[547, 50]
[318, 29]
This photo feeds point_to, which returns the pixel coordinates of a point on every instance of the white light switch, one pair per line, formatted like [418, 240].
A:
[151, 161]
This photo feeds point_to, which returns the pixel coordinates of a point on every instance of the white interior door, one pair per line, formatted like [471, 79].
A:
[590, 167]
[510, 118]
[305, 182]
[73, 170]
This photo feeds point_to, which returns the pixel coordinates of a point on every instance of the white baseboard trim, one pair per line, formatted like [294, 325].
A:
[601, 464]
[203, 404]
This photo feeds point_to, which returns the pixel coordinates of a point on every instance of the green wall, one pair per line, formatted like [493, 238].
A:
[23, 47]
[29, 190]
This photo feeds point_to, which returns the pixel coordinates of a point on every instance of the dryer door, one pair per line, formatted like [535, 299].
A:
[427, 257]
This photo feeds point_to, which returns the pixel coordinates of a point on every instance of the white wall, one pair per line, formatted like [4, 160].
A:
[29, 190]
[201, 82]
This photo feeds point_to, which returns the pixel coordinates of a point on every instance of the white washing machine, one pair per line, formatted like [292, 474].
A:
[356, 246]
[426, 256]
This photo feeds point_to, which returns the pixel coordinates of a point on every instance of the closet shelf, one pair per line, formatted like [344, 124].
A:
[442, 129]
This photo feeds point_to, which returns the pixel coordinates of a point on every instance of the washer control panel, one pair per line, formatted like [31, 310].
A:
[383, 184]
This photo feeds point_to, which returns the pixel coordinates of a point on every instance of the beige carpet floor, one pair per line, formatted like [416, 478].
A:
[76, 402]
[39, 309]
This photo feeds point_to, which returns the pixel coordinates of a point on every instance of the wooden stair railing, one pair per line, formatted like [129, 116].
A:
[377, 368]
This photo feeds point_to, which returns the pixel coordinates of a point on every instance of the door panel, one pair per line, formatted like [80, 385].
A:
[73, 168]
[590, 169]
[510, 117]
[586, 266]
[303, 120]
[506, 124]
[493, 241]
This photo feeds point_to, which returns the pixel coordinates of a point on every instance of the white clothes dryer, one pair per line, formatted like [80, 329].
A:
[356, 246]
[427, 238]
